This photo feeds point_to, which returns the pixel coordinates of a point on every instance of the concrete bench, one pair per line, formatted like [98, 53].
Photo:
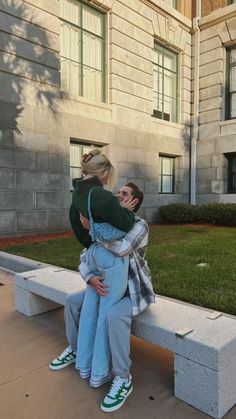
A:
[204, 342]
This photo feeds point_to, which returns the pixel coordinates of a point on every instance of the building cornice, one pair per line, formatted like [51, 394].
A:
[218, 16]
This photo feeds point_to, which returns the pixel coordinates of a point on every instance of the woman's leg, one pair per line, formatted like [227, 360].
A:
[88, 322]
[115, 272]
[87, 330]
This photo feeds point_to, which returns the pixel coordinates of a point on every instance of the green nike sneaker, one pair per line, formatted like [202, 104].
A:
[67, 357]
[118, 393]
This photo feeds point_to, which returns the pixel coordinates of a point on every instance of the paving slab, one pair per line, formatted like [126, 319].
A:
[29, 390]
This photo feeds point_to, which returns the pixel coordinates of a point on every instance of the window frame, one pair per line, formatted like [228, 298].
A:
[161, 174]
[81, 65]
[83, 144]
[231, 174]
[228, 93]
[159, 46]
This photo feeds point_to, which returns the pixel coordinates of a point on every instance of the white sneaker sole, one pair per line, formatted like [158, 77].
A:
[96, 384]
[60, 367]
[112, 409]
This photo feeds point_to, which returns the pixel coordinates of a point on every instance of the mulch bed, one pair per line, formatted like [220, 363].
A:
[14, 241]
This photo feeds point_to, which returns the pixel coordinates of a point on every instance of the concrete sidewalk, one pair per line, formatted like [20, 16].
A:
[29, 390]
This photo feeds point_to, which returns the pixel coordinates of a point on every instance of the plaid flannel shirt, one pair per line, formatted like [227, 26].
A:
[134, 245]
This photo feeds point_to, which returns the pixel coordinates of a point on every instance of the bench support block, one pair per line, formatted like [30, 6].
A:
[31, 304]
[212, 392]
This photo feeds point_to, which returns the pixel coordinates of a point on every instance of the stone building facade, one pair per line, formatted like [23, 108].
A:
[216, 146]
[115, 74]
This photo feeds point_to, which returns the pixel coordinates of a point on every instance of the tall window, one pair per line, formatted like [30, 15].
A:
[165, 90]
[230, 105]
[166, 174]
[231, 172]
[82, 50]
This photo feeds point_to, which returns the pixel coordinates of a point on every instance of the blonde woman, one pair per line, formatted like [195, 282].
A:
[92, 358]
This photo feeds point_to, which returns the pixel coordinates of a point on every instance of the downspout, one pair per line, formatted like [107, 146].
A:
[195, 129]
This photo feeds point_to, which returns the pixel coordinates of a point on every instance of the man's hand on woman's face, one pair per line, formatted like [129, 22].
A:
[129, 203]
[98, 285]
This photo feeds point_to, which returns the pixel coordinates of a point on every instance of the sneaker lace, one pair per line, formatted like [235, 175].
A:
[65, 353]
[115, 387]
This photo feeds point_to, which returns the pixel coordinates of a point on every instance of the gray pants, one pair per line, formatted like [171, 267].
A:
[119, 321]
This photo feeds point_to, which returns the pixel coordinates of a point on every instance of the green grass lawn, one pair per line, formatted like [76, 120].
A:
[173, 253]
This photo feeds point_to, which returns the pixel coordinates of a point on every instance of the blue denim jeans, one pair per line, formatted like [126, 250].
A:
[93, 352]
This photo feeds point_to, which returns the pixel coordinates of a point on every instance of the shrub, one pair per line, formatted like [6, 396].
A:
[223, 214]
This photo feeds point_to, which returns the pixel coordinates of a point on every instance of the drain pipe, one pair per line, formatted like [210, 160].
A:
[195, 129]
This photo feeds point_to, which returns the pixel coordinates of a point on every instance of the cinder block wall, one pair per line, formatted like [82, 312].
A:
[37, 120]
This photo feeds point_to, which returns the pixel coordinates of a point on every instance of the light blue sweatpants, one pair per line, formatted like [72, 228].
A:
[93, 351]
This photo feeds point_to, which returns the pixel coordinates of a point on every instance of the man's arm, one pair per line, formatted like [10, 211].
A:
[137, 237]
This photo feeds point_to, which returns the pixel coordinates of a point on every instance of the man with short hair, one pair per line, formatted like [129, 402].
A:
[138, 297]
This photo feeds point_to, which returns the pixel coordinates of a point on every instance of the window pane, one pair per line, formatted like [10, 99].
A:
[170, 60]
[70, 47]
[167, 184]
[233, 56]
[70, 10]
[158, 55]
[167, 166]
[233, 79]
[75, 155]
[92, 20]
[233, 106]
[70, 77]
[92, 51]
[92, 84]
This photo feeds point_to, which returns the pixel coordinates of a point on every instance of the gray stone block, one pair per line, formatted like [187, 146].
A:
[32, 141]
[32, 220]
[7, 179]
[55, 163]
[6, 137]
[17, 159]
[7, 222]
[51, 200]
[212, 392]
[59, 182]
[59, 220]
[150, 214]
[126, 169]
[16, 200]
[28, 50]
[42, 161]
[138, 182]
[31, 304]
[146, 171]
[151, 186]
[32, 180]
[150, 201]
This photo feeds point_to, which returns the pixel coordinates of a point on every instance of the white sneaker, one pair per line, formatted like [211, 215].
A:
[67, 357]
[118, 393]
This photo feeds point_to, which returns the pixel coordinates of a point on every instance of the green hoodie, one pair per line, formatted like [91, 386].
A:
[104, 205]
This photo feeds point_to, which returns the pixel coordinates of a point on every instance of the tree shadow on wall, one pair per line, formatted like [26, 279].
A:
[29, 64]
